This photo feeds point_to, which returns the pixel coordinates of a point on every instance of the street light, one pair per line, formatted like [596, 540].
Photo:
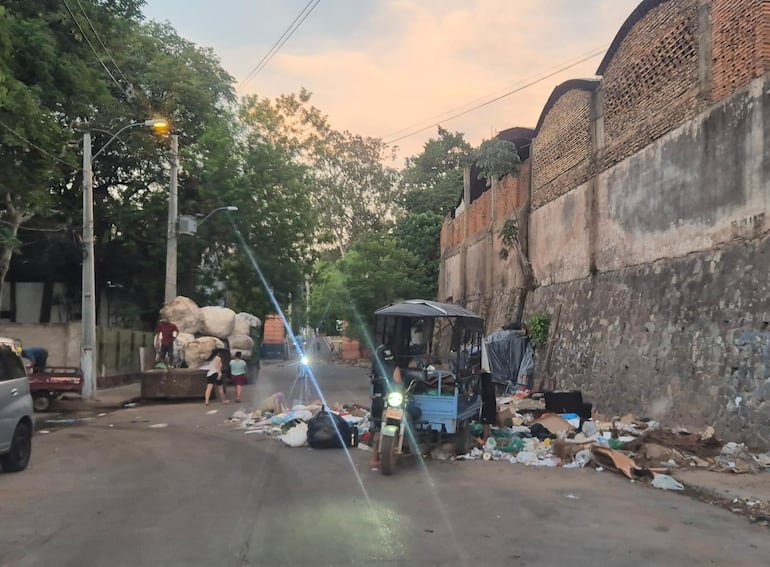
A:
[188, 224]
[88, 297]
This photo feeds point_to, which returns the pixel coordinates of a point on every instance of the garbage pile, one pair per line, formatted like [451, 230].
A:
[528, 432]
[304, 424]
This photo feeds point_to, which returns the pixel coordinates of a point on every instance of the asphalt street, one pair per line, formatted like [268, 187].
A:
[196, 491]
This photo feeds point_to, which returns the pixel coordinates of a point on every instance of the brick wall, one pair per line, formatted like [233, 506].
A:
[479, 213]
[562, 149]
[740, 43]
[512, 192]
[651, 83]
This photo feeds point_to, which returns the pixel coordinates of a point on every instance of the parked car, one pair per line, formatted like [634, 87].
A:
[16, 424]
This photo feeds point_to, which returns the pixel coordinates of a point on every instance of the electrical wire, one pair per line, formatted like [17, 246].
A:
[281, 41]
[38, 148]
[591, 53]
[91, 45]
[495, 99]
[61, 229]
[98, 37]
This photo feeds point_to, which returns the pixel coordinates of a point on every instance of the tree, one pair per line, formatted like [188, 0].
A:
[352, 189]
[432, 181]
[419, 234]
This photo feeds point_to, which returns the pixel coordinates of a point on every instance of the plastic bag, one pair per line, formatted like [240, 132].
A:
[323, 431]
[666, 482]
[296, 436]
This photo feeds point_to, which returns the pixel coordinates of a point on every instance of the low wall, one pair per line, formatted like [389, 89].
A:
[117, 350]
[684, 340]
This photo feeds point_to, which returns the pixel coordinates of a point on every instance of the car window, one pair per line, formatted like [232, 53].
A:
[11, 366]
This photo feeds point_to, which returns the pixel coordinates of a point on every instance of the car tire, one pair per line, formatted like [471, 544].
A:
[17, 458]
[41, 402]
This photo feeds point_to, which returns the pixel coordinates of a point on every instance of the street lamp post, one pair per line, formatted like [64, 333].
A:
[171, 242]
[88, 286]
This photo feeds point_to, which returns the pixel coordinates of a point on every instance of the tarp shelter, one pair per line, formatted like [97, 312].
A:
[507, 355]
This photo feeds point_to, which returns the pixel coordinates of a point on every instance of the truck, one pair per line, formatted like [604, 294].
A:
[51, 383]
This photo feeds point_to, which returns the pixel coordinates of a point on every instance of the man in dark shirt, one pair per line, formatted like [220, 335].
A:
[167, 333]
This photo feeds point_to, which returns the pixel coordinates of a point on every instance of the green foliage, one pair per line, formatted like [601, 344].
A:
[433, 180]
[419, 234]
[537, 328]
[373, 272]
[509, 235]
[497, 158]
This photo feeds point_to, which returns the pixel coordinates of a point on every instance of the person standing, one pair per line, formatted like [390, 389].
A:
[238, 374]
[214, 377]
[164, 340]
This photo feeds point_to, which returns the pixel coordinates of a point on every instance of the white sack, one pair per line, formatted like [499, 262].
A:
[197, 351]
[183, 339]
[184, 313]
[241, 342]
[296, 436]
[218, 321]
[244, 322]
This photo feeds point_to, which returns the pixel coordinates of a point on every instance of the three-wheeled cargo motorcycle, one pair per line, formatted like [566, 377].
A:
[437, 349]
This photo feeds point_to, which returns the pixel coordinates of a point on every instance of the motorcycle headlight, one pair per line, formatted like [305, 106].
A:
[395, 399]
[304, 360]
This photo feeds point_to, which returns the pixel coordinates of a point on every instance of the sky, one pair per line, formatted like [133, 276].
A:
[385, 68]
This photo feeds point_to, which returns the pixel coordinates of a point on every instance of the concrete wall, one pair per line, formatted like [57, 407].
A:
[683, 340]
[650, 221]
[472, 271]
[117, 349]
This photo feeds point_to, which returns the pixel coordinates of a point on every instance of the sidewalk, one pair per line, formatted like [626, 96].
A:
[745, 494]
[107, 398]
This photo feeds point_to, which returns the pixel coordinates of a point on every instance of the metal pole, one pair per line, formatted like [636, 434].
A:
[88, 299]
[171, 241]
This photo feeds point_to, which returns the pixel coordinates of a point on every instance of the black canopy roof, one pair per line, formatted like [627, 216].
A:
[425, 308]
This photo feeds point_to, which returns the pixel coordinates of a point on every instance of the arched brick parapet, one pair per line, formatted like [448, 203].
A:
[561, 153]
[650, 77]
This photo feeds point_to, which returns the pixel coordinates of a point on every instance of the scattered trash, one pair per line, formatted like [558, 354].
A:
[43, 431]
[737, 458]
[296, 436]
[129, 405]
[666, 482]
[159, 425]
[211, 412]
[572, 497]
[101, 414]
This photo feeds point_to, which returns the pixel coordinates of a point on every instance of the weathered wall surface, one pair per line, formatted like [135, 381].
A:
[472, 271]
[650, 220]
[117, 349]
[682, 340]
[559, 238]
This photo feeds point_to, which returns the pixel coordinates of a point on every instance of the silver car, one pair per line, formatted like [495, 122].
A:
[16, 424]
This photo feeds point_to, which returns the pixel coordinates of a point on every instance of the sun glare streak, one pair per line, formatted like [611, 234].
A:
[369, 341]
[301, 352]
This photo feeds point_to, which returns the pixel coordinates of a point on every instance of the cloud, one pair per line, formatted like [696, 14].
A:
[413, 59]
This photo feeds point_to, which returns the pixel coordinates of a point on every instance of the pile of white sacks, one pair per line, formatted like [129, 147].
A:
[203, 329]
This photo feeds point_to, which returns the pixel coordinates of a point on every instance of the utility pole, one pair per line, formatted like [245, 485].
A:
[171, 240]
[88, 299]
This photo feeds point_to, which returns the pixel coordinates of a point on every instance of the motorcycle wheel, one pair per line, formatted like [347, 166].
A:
[388, 455]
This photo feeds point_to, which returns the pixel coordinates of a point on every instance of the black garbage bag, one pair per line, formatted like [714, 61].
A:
[321, 432]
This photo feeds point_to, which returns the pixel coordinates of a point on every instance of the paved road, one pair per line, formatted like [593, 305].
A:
[117, 492]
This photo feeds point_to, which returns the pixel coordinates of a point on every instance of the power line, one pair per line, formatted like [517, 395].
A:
[497, 98]
[281, 41]
[107, 51]
[91, 45]
[38, 148]
[441, 116]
